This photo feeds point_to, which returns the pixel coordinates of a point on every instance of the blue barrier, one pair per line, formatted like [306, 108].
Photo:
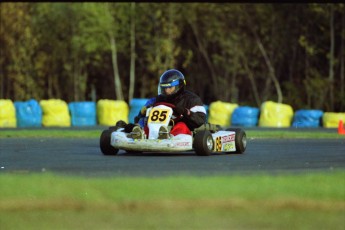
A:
[28, 113]
[135, 106]
[304, 118]
[83, 113]
[245, 116]
[207, 108]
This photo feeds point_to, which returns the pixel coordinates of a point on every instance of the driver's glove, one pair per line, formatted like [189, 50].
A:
[129, 127]
[136, 119]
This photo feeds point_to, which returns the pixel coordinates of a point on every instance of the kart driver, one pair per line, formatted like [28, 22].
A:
[189, 108]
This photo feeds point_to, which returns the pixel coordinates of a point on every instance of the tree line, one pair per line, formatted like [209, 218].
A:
[235, 52]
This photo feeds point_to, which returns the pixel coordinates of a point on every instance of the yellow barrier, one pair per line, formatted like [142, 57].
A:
[111, 111]
[220, 113]
[7, 114]
[55, 113]
[331, 120]
[274, 114]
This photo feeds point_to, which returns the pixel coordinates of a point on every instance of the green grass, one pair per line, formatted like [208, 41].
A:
[95, 133]
[292, 134]
[299, 201]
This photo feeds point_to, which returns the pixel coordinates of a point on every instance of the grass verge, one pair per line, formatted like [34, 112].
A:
[297, 201]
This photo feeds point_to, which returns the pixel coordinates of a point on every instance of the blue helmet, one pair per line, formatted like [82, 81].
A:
[171, 78]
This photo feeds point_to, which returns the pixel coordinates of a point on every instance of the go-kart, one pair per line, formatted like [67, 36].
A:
[207, 139]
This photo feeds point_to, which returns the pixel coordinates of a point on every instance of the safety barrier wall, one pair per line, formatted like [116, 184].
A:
[7, 114]
[245, 116]
[83, 113]
[135, 106]
[305, 118]
[56, 112]
[111, 111]
[274, 114]
[331, 120]
[207, 108]
[28, 113]
[220, 113]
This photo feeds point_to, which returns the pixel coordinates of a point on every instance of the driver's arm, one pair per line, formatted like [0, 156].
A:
[195, 117]
[194, 114]
[142, 113]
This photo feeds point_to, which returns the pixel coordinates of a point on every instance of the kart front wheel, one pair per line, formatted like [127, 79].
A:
[104, 143]
[203, 143]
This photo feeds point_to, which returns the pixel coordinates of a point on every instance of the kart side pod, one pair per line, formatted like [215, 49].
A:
[240, 139]
[205, 142]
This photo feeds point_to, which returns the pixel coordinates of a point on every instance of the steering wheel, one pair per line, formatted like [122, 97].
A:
[166, 104]
[169, 105]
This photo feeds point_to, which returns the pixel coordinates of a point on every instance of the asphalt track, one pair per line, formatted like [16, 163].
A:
[83, 157]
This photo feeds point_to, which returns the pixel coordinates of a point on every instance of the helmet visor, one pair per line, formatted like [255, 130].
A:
[164, 85]
[169, 84]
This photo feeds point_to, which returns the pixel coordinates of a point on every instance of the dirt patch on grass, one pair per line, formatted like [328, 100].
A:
[133, 206]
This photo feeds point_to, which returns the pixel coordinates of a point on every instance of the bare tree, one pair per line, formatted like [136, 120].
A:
[133, 54]
[252, 80]
[118, 86]
[117, 79]
[271, 70]
[204, 53]
[342, 63]
[331, 58]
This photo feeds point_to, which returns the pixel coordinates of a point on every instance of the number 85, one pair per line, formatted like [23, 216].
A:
[159, 115]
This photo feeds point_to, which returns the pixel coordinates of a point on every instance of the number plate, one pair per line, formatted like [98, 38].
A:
[159, 116]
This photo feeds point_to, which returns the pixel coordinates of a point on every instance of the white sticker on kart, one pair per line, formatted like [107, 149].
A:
[228, 138]
[157, 117]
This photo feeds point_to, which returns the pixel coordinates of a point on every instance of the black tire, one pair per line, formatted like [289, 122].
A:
[240, 139]
[113, 128]
[119, 124]
[104, 143]
[203, 143]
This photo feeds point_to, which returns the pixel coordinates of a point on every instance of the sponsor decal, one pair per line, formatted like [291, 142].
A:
[228, 138]
[228, 146]
[182, 143]
[218, 145]
[166, 85]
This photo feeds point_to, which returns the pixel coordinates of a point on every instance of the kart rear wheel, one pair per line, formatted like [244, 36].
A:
[240, 139]
[203, 143]
[104, 143]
